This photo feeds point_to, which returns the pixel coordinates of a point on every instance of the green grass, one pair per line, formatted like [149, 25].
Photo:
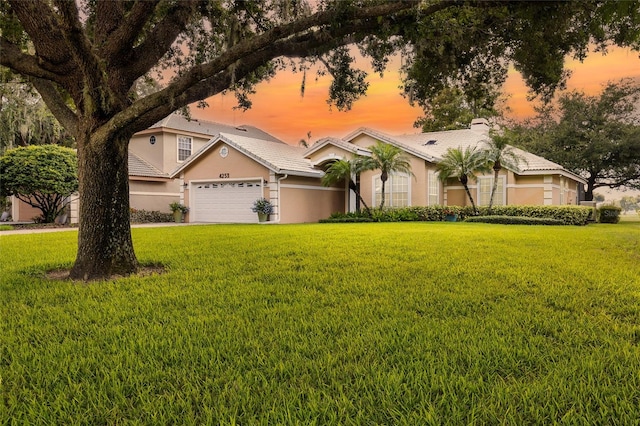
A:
[400, 323]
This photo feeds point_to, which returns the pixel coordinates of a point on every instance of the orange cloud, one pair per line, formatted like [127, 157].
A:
[279, 109]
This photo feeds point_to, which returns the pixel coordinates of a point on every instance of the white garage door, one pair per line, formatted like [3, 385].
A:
[225, 202]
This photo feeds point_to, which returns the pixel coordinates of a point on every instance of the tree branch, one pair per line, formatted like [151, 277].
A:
[81, 49]
[13, 58]
[159, 41]
[269, 38]
[212, 78]
[125, 35]
[109, 15]
[37, 19]
[56, 104]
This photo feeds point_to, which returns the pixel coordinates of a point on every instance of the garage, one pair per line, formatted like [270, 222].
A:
[225, 202]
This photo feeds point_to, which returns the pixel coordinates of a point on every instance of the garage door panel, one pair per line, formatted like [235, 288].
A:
[226, 202]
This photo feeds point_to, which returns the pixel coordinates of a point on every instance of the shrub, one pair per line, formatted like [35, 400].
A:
[347, 218]
[515, 220]
[569, 215]
[609, 214]
[43, 176]
[262, 205]
[176, 206]
[144, 216]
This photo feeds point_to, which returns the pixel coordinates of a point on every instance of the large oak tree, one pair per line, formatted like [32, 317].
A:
[84, 57]
[597, 137]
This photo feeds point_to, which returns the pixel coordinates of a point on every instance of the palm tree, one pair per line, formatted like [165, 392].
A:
[500, 154]
[463, 164]
[388, 159]
[343, 170]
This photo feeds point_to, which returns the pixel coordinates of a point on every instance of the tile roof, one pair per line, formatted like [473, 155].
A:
[349, 147]
[210, 128]
[435, 144]
[139, 167]
[278, 157]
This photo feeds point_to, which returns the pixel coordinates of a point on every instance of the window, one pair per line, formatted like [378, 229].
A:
[396, 191]
[485, 184]
[184, 147]
[433, 196]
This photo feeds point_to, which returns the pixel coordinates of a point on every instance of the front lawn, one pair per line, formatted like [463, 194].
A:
[385, 323]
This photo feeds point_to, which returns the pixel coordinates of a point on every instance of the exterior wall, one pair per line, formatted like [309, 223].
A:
[153, 154]
[418, 184]
[212, 167]
[235, 165]
[163, 154]
[23, 212]
[526, 190]
[306, 200]
[328, 153]
[455, 195]
[363, 141]
[153, 195]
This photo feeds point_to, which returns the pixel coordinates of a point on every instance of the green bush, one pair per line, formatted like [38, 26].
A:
[569, 215]
[515, 220]
[609, 214]
[144, 216]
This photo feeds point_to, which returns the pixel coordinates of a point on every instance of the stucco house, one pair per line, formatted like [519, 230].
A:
[537, 181]
[220, 181]
[218, 171]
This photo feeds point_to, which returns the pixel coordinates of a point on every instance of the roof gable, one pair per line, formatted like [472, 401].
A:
[278, 157]
[383, 137]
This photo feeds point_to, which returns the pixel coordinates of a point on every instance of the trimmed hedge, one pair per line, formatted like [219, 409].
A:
[568, 215]
[145, 216]
[609, 214]
[515, 220]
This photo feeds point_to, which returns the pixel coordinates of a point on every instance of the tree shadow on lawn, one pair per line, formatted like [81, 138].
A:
[145, 270]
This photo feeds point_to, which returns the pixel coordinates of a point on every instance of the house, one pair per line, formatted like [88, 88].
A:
[537, 182]
[221, 180]
[218, 171]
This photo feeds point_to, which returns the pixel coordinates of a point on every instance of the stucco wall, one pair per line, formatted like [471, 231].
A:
[213, 167]
[305, 200]
[164, 153]
[329, 153]
[235, 165]
[153, 196]
[153, 154]
[23, 212]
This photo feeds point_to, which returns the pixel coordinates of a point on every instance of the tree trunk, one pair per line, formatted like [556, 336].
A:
[105, 247]
[591, 182]
[464, 180]
[496, 171]
[383, 179]
[359, 200]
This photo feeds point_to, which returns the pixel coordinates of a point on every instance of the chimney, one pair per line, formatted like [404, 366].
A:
[480, 125]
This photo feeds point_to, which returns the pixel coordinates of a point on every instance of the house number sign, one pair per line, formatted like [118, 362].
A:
[224, 175]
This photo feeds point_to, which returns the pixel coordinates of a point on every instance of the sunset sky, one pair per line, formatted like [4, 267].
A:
[279, 109]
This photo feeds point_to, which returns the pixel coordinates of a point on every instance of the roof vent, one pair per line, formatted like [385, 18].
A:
[242, 129]
[430, 142]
